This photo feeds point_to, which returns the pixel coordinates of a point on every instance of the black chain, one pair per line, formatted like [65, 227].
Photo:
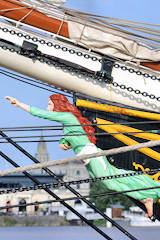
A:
[75, 182]
[136, 91]
[138, 72]
[78, 53]
[80, 71]
[50, 44]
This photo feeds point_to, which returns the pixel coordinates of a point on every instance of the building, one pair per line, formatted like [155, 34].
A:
[69, 172]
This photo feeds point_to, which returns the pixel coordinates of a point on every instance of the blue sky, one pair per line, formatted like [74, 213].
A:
[137, 10]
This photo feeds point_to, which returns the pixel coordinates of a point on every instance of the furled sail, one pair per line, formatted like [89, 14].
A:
[111, 37]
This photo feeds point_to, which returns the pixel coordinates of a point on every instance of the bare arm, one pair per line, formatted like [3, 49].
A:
[17, 103]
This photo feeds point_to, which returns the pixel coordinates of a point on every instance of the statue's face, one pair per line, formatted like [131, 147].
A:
[50, 105]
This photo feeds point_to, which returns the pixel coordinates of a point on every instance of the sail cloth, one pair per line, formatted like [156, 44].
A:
[109, 43]
[122, 39]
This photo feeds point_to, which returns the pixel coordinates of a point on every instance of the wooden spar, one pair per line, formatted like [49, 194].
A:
[152, 65]
[132, 131]
[119, 110]
[126, 140]
[34, 18]
[21, 12]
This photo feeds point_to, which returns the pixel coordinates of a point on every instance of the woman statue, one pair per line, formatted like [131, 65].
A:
[83, 141]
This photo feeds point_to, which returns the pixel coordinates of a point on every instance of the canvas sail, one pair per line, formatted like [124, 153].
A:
[87, 30]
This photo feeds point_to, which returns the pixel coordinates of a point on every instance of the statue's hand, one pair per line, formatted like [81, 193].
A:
[64, 144]
[13, 101]
[65, 147]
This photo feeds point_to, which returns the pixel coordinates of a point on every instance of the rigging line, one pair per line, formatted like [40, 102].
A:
[36, 141]
[26, 82]
[82, 134]
[127, 25]
[26, 128]
[75, 125]
[60, 129]
[72, 190]
[120, 32]
[79, 198]
[13, 9]
[35, 129]
[82, 157]
[30, 83]
[56, 197]
[98, 23]
[101, 16]
[134, 27]
[33, 80]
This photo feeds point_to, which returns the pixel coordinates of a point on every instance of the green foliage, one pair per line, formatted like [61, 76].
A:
[99, 222]
[105, 201]
[9, 221]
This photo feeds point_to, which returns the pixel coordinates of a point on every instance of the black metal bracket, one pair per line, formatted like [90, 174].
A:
[30, 50]
[106, 70]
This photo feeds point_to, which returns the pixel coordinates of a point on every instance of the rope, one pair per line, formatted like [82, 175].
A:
[69, 188]
[105, 25]
[20, 20]
[60, 27]
[82, 157]
[13, 9]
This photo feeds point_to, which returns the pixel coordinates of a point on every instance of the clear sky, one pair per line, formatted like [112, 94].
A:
[137, 10]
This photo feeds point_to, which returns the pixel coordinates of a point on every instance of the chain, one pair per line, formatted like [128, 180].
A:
[51, 62]
[78, 53]
[50, 44]
[75, 182]
[136, 91]
[138, 72]
[82, 72]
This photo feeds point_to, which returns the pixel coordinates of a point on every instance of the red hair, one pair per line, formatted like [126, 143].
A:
[61, 104]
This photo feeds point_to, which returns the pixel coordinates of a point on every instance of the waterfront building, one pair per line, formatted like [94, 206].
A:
[67, 172]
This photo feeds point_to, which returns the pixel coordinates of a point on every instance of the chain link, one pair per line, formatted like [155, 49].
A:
[78, 53]
[78, 71]
[136, 91]
[75, 182]
[50, 44]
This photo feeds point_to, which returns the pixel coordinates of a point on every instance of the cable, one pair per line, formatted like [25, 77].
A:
[81, 134]
[81, 181]
[6, 73]
[33, 141]
[75, 125]
[81, 157]
[79, 198]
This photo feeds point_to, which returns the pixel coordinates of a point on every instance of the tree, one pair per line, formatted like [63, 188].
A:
[105, 201]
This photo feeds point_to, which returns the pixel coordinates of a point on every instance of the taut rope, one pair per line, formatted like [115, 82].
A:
[81, 157]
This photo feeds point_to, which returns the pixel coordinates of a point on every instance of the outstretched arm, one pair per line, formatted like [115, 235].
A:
[17, 103]
[62, 117]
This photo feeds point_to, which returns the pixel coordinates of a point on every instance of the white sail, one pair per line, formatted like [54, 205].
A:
[112, 43]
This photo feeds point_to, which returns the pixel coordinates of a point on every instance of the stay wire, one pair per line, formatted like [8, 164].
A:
[53, 194]
[34, 141]
[72, 190]
[18, 128]
[82, 134]
[87, 180]
[79, 198]
[8, 74]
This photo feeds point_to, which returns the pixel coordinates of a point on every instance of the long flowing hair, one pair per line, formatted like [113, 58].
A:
[61, 104]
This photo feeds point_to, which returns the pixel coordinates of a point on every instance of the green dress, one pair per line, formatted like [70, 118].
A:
[98, 167]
